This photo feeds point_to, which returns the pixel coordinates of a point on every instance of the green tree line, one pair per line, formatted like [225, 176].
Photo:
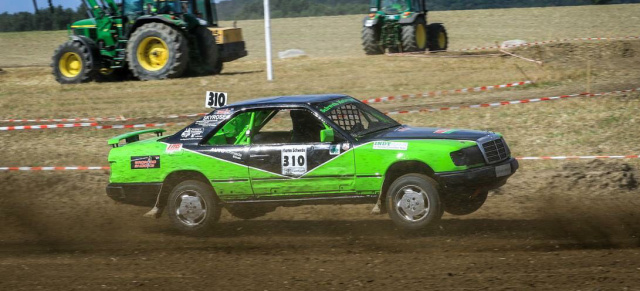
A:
[57, 18]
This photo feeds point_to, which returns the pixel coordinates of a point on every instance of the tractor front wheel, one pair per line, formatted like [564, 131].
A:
[437, 37]
[371, 41]
[414, 37]
[73, 63]
[157, 51]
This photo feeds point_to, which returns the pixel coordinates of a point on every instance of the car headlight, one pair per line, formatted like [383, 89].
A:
[467, 156]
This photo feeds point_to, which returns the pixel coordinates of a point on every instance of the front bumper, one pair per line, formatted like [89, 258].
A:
[483, 177]
[141, 194]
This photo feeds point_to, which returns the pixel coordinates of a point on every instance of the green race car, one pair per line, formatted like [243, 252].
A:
[253, 156]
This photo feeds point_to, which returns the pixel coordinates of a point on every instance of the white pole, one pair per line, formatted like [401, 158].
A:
[267, 39]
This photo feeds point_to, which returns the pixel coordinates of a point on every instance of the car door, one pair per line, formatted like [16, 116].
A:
[227, 149]
[288, 159]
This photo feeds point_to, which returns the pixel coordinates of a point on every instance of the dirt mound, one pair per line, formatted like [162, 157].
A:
[604, 53]
[595, 176]
[593, 204]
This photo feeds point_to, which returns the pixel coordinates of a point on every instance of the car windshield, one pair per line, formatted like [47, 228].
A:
[356, 118]
[394, 6]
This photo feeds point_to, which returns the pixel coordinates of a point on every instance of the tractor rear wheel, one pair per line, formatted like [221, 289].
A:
[206, 61]
[414, 36]
[437, 38]
[73, 63]
[370, 41]
[157, 51]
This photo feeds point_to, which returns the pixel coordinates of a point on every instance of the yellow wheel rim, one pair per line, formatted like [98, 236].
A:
[153, 53]
[70, 64]
[421, 36]
[442, 40]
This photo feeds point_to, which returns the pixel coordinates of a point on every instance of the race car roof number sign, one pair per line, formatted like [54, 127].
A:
[215, 99]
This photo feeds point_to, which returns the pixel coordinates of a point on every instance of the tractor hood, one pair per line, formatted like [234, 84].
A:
[408, 132]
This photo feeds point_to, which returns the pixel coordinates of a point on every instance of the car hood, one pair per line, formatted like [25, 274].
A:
[409, 132]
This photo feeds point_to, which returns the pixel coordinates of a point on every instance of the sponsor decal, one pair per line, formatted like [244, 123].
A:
[192, 133]
[145, 162]
[390, 145]
[445, 131]
[334, 150]
[294, 160]
[237, 156]
[171, 148]
[334, 104]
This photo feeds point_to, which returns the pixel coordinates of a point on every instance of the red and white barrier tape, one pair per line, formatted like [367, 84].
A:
[95, 125]
[51, 168]
[504, 103]
[68, 119]
[579, 157]
[82, 168]
[372, 100]
[445, 92]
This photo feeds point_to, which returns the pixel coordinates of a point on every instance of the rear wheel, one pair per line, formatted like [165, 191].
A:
[414, 37]
[193, 208]
[437, 38]
[73, 63]
[157, 51]
[206, 61]
[457, 204]
[371, 41]
[413, 202]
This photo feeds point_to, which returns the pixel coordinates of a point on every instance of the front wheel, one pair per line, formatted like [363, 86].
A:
[73, 63]
[371, 41]
[413, 202]
[193, 208]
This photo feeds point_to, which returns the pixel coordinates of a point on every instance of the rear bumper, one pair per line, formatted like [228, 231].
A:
[483, 177]
[141, 194]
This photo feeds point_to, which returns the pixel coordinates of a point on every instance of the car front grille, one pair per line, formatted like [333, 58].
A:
[495, 150]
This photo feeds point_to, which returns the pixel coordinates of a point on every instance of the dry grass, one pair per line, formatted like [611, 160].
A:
[336, 64]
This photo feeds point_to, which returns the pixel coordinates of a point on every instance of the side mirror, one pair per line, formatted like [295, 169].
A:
[326, 135]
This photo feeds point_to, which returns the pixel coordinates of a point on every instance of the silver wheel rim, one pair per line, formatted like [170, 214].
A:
[412, 203]
[191, 208]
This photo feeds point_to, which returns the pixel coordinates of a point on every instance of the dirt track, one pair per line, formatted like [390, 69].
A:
[578, 231]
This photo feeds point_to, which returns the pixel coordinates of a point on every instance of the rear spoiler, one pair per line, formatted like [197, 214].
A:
[133, 136]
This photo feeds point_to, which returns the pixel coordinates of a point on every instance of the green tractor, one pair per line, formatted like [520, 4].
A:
[150, 39]
[401, 26]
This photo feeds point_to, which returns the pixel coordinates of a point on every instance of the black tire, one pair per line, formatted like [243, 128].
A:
[458, 204]
[414, 36]
[73, 63]
[177, 50]
[185, 207]
[437, 38]
[420, 209]
[205, 60]
[371, 41]
[248, 211]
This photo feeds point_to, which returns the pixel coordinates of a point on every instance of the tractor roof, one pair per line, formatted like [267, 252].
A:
[287, 100]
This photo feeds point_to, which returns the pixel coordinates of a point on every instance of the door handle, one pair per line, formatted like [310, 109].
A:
[259, 157]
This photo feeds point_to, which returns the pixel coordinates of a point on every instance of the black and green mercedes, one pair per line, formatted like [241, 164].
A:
[254, 156]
